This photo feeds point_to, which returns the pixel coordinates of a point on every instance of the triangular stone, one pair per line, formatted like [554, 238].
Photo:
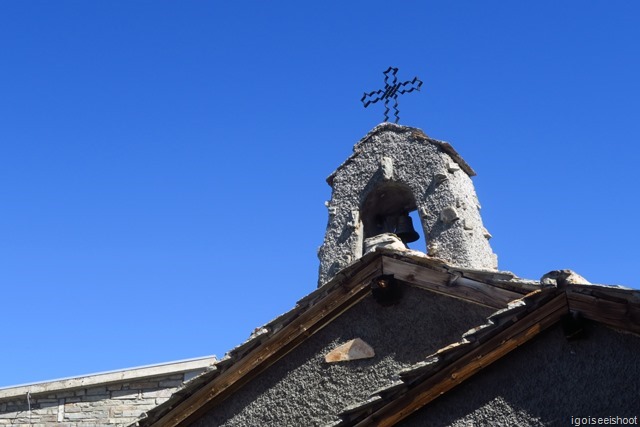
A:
[351, 350]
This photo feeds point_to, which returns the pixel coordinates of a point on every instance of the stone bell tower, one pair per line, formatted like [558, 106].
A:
[393, 171]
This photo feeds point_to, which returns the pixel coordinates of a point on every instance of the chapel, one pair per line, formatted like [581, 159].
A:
[393, 336]
[399, 337]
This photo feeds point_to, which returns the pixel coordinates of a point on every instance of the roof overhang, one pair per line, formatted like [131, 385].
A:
[528, 306]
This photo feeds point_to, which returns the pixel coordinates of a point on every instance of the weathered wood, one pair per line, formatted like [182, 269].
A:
[273, 348]
[621, 315]
[612, 293]
[469, 364]
[436, 281]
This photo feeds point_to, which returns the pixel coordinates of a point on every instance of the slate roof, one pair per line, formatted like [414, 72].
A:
[524, 308]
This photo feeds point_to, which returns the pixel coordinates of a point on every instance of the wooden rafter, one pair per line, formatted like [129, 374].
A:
[440, 282]
[616, 312]
[469, 364]
[274, 348]
[619, 308]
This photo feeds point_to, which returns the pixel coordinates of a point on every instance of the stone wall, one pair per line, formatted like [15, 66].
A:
[401, 165]
[111, 402]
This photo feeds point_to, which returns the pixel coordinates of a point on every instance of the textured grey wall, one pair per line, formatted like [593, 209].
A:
[442, 193]
[545, 383]
[303, 390]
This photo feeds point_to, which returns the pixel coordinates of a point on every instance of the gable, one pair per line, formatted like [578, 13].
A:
[302, 389]
[525, 309]
[273, 341]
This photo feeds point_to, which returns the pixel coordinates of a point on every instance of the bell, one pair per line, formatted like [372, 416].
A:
[405, 230]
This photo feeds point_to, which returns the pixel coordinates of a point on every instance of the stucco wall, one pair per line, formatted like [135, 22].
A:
[303, 390]
[444, 195]
[545, 383]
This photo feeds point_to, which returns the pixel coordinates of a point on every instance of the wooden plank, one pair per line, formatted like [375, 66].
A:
[607, 292]
[625, 316]
[469, 364]
[274, 348]
[436, 281]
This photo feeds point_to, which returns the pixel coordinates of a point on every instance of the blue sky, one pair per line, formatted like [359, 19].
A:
[163, 163]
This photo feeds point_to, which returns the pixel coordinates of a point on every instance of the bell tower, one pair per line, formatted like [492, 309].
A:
[395, 170]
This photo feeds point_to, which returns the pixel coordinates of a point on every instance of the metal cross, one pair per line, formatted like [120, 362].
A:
[390, 91]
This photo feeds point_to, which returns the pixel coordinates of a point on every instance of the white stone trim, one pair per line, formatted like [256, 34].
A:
[92, 380]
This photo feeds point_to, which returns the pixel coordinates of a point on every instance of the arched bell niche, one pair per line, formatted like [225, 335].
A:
[389, 208]
[393, 170]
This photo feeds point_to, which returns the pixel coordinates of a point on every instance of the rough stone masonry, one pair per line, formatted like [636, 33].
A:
[116, 398]
[398, 169]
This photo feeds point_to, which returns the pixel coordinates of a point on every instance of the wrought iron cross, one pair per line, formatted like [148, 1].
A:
[391, 91]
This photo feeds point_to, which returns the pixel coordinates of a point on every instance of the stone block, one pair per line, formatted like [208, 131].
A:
[60, 395]
[562, 278]
[77, 415]
[8, 415]
[452, 167]
[433, 248]
[449, 215]
[386, 166]
[96, 398]
[351, 350]
[143, 385]
[96, 390]
[117, 410]
[177, 376]
[354, 219]
[49, 419]
[486, 233]
[125, 394]
[385, 240]
[170, 383]
[132, 413]
[157, 393]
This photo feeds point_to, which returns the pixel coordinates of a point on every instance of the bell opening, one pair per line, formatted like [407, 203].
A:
[420, 244]
[391, 208]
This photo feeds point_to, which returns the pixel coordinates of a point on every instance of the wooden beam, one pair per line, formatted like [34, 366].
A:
[469, 364]
[274, 348]
[618, 314]
[436, 281]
